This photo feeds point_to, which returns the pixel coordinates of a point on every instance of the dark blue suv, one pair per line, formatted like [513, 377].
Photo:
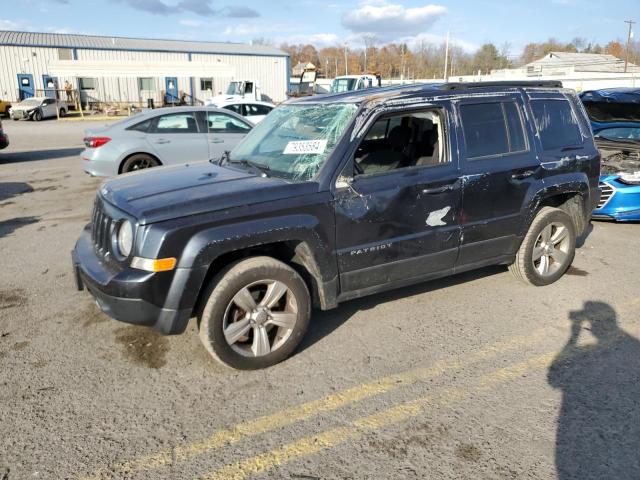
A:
[335, 197]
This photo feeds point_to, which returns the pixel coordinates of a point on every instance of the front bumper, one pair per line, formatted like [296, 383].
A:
[127, 295]
[21, 114]
[621, 201]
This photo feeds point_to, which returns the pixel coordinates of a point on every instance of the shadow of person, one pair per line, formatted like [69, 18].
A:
[598, 433]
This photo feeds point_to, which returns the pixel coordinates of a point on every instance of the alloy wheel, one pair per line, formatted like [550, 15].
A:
[260, 318]
[551, 249]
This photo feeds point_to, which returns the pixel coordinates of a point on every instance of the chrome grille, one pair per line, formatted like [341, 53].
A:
[101, 226]
[606, 192]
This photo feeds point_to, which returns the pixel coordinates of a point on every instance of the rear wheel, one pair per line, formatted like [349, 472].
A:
[63, 112]
[257, 312]
[139, 161]
[547, 250]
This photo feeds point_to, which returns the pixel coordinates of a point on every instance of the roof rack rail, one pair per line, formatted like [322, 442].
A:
[509, 83]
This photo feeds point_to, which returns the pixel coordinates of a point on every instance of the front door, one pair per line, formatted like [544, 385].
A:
[26, 88]
[175, 139]
[499, 165]
[397, 220]
[171, 87]
[50, 86]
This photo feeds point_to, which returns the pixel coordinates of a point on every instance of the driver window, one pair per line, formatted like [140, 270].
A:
[414, 139]
[248, 87]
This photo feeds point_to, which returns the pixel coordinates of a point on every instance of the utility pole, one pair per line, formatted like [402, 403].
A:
[446, 59]
[346, 61]
[626, 58]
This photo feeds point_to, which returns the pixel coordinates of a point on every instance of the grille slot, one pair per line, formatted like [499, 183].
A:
[101, 225]
[606, 193]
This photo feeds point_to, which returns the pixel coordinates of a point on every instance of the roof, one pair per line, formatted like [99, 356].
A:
[421, 90]
[582, 62]
[63, 40]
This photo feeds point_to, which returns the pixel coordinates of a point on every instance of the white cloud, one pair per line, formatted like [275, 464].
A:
[10, 25]
[387, 20]
[191, 23]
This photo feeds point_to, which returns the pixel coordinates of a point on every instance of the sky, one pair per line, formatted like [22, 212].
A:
[331, 22]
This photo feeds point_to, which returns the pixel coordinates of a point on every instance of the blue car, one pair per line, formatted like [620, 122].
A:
[615, 120]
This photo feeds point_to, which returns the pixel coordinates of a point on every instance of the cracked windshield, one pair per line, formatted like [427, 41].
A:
[295, 140]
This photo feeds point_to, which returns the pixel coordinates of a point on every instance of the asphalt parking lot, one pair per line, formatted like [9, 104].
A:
[475, 376]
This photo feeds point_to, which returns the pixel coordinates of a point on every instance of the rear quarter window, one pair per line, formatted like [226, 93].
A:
[557, 124]
[492, 129]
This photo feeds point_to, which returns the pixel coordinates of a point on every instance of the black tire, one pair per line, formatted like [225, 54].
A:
[139, 161]
[63, 113]
[37, 116]
[219, 300]
[525, 269]
[15, 119]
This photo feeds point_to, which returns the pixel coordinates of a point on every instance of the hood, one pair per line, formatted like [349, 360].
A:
[167, 193]
[20, 108]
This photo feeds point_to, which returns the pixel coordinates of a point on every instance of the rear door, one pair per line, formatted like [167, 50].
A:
[499, 164]
[565, 142]
[223, 131]
[397, 221]
[176, 139]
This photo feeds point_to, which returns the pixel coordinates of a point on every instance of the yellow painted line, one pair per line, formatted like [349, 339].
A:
[340, 435]
[310, 409]
[397, 414]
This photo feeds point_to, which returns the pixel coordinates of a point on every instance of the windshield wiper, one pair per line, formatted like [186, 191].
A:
[248, 163]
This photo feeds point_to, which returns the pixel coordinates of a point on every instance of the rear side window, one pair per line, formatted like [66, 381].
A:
[557, 124]
[492, 129]
[141, 127]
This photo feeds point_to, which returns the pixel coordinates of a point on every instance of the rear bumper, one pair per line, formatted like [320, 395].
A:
[126, 295]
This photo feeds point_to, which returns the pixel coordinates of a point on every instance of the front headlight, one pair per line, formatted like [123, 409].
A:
[630, 178]
[125, 238]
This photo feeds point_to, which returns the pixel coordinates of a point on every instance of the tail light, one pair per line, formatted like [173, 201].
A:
[95, 142]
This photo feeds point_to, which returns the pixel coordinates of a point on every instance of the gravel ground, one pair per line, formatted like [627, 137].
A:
[474, 376]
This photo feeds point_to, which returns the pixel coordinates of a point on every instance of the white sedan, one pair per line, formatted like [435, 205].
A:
[253, 111]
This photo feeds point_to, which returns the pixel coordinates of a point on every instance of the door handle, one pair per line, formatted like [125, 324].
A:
[162, 141]
[435, 190]
[216, 140]
[523, 175]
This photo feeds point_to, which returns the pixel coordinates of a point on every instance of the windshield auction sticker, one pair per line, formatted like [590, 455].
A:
[303, 147]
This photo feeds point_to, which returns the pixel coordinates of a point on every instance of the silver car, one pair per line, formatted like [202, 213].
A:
[165, 136]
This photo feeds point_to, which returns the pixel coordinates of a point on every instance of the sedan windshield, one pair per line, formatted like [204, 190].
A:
[294, 141]
[340, 85]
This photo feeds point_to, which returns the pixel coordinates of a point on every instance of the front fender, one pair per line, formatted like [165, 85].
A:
[206, 246]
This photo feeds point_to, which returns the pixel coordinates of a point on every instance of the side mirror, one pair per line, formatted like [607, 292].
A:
[344, 182]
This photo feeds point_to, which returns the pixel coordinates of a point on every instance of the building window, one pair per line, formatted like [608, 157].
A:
[146, 84]
[206, 84]
[87, 83]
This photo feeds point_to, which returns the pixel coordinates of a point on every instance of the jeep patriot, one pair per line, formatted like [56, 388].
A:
[333, 197]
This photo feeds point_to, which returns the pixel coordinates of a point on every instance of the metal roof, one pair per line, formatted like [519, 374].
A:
[582, 62]
[62, 40]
